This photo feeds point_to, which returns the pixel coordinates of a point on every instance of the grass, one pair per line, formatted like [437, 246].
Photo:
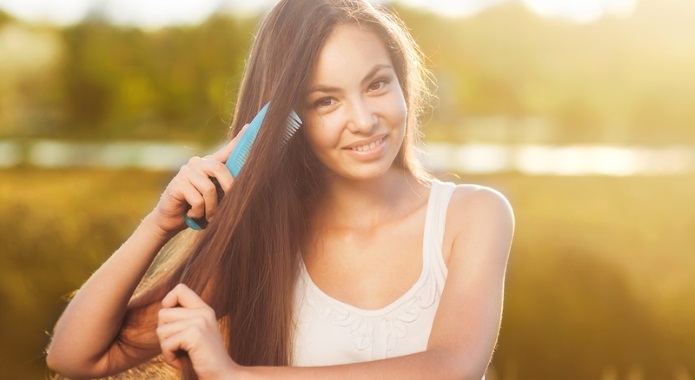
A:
[598, 282]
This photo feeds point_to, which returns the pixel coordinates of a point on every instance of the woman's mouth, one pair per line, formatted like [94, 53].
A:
[368, 147]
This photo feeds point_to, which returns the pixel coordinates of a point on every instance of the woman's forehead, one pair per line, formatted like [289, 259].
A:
[349, 51]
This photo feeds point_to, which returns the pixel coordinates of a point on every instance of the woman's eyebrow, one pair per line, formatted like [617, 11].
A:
[373, 72]
[367, 78]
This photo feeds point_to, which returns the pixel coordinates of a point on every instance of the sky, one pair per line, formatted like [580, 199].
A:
[153, 14]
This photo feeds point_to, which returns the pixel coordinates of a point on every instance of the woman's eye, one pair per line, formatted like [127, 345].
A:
[324, 102]
[377, 85]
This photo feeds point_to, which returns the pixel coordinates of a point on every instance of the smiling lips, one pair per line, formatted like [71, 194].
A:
[367, 147]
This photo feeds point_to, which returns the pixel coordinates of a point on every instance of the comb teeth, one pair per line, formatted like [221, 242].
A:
[244, 153]
[293, 124]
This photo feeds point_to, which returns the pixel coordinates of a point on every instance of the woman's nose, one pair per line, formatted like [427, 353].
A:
[362, 117]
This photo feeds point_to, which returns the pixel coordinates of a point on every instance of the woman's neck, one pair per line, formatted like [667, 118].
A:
[367, 204]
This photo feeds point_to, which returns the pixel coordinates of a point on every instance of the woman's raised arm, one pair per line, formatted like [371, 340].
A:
[84, 342]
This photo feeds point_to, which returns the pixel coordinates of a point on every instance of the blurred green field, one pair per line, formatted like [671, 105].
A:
[598, 286]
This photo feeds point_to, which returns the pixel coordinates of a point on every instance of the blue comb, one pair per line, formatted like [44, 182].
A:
[236, 160]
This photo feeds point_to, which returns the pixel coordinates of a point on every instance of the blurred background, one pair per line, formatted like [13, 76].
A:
[581, 112]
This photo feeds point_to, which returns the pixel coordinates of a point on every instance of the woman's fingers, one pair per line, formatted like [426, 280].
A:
[183, 296]
[200, 177]
[200, 341]
[197, 187]
[182, 321]
[187, 323]
[169, 342]
[184, 334]
[223, 153]
[201, 181]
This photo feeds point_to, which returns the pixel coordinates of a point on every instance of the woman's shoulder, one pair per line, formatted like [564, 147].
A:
[474, 197]
[474, 206]
[479, 196]
[476, 215]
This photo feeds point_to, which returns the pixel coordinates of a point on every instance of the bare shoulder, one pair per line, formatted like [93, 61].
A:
[478, 216]
[477, 200]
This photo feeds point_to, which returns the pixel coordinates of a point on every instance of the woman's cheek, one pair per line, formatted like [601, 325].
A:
[325, 130]
[398, 107]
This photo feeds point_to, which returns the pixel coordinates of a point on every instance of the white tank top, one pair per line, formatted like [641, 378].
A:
[330, 332]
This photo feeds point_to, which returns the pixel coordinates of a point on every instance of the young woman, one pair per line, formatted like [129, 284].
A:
[332, 256]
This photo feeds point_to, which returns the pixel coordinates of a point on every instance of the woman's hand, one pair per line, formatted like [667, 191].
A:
[192, 192]
[187, 323]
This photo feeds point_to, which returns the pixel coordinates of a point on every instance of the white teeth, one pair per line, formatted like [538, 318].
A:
[368, 147]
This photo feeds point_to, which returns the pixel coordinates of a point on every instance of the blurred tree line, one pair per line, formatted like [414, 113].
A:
[505, 75]
[123, 82]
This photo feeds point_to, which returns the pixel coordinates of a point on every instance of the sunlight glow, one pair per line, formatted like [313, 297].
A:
[581, 11]
[60, 12]
[570, 160]
[453, 8]
[573, 10]
[151, 14]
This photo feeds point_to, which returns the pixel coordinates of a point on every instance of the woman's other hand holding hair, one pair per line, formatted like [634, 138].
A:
[187, 323]
[192, 191]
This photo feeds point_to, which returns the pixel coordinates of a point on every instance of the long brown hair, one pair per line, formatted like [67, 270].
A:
[245, 263]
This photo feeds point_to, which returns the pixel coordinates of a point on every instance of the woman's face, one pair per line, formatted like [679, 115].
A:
[355, 110]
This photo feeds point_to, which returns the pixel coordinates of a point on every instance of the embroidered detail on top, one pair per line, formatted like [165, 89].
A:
[377, 330]
[361, 329]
